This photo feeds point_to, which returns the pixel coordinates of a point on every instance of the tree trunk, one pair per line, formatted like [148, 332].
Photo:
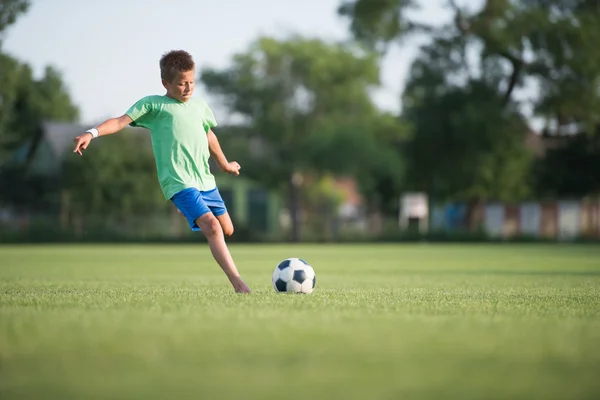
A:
[295, 182]
[64, 209]
[472, 215]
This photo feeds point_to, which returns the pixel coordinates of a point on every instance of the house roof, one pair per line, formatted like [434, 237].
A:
[60, 135]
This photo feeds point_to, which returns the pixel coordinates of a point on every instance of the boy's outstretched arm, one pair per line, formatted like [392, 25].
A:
[108, 127]
[215, 151]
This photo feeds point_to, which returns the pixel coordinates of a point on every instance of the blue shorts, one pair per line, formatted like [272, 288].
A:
[194, 203]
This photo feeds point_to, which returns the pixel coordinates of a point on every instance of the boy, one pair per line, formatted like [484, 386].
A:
[183, 141]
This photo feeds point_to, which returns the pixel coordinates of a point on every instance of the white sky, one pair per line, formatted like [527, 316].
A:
[108, 50]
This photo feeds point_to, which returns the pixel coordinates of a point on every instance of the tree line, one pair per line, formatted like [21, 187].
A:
[307, 113]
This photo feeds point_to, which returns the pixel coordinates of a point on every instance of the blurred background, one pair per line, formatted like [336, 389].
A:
[358, 120]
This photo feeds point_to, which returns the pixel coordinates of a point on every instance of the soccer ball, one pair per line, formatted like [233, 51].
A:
[294, 275]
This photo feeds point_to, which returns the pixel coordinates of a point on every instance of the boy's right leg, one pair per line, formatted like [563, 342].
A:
[211, 228]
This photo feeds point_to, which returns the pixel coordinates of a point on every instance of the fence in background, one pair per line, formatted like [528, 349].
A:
[560, 220]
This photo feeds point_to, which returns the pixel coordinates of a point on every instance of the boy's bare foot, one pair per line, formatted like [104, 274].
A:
[241, 287]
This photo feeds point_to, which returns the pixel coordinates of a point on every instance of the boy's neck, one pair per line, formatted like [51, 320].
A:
[172, 97]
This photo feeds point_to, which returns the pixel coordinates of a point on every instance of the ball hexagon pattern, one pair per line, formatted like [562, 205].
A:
[294, 275]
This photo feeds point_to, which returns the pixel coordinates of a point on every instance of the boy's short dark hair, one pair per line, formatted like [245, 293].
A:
[175, 62]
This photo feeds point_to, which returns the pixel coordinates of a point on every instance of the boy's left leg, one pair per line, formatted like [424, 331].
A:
[224, 221]
[226, 224]
[215, 202]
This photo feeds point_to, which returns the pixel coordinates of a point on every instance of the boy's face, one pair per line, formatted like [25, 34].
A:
[182, 86]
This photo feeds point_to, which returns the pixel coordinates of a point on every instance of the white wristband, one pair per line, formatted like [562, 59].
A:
[93, 131]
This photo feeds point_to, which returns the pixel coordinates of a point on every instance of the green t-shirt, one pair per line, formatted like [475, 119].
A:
[178, 132]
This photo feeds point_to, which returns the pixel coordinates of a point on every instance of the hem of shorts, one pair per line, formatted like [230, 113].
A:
[193, 225]
[169, 195]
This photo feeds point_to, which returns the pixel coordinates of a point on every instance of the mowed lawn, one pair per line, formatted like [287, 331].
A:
[385, 322]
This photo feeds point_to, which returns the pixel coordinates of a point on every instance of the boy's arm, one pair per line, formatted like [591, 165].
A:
[108, 127]
[113, 125]
[217, 153]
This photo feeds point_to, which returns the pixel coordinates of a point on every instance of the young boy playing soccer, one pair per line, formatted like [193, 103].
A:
[183, 141]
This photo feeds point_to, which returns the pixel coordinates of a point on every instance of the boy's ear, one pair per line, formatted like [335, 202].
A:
[164, 83]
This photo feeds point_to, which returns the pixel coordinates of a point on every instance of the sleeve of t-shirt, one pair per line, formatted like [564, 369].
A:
[208, 118]
[141, 113]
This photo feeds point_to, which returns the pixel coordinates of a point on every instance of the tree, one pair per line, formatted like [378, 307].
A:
[549, 43]
[11, 69]
[116, 178]
[569, 170]
[377, 23]
[468, 144]
[25, 103]
[552, 41]
[307, 109]
[10, 81]
[28, 102]
[466, 147]
[9, 11]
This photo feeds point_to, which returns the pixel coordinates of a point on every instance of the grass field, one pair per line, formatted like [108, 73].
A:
[384, 322]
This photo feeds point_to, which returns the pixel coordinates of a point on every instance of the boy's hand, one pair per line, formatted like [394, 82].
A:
[232, 168]
[82, 142]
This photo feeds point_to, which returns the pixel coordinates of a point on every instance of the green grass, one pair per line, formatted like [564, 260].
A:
[384, 322]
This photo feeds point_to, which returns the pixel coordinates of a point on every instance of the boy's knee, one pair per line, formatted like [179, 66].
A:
[228, 231]
[209, 226]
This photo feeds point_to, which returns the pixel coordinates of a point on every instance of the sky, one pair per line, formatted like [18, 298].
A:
[108, 51]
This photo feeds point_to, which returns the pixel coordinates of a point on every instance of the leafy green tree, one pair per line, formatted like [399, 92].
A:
[115, 178]
[379, 22]
[25, 102]
[468, 143]
[569, 170]
[467, 147]
[9, 11]
[552, 41]
[306, 106]
[507, 44]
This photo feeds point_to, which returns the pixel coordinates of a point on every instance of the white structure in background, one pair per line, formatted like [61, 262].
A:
[494, 216]
[530, 219]
[568, 219]
[414, 206]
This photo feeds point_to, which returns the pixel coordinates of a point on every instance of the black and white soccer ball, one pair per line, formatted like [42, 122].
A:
[294, 275]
